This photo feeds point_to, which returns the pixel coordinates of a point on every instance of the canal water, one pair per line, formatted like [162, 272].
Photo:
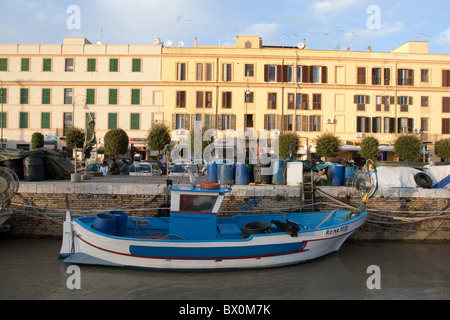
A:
[30, 270]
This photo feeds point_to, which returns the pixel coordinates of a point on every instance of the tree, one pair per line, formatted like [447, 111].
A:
[37, 140]
[408, 147]
[75, 138]
[328, 145]
[116, 142]
[369, 148]
[287, 139]
[442, 148]
[158, 137]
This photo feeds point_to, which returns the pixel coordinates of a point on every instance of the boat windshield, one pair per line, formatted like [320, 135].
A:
[197, 203]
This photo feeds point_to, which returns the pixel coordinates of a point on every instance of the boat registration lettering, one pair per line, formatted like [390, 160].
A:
[335, 231]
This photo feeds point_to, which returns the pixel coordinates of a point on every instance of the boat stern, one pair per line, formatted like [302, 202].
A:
[67, 240]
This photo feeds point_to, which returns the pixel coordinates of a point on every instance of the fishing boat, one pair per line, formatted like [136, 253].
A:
[194, 237]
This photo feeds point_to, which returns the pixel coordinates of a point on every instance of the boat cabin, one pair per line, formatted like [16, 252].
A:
[194, 211]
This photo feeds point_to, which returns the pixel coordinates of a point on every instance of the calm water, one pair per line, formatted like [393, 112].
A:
[29, 269]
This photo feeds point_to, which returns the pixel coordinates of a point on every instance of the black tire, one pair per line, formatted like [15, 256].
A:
[423, 180]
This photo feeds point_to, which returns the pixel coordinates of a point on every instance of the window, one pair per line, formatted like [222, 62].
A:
[387, 76]
[299, 73]
[208, 99]
[272, 100]
[3, 95]
[113, 65]
[425, 101]
[226, 99]
[3, 64]
[317, 101]
[290, 101]
[315, 124]
[23, 120]
[67, 96]
[317, 75]
[67, 125]
[47, 65]
[363, 124]
[271, 73]
[25, 64]
[445, 126]
[195, 203]
[405, 77]
[424, 124]
[204, 99]
[3, 120]
[226, 72]
[302, 101]
[112, 121]
[270, 121]
[403, 102]
[361, 76]
[181, 99]
[90, 96]
[136, 65]
[249, 96]
[405, 125]
[199, 71]
[376, 76]
[180, 121]
[228, 122]
[249, 123]
[249, 70]
[134, 121]
[425, 75]
[208, 120]
[376, 125]
[378, 103]
[289, 74]
[298, 123]
[112, 97]
[389, 125]
[181, 71]
[45, 120]
[91, 65]
[69, 65]
[445, 104]
[45, 96]
[135, 96]
[288, 124]
[23, 96]
[446, 78]
[361, 102]
[208, 72]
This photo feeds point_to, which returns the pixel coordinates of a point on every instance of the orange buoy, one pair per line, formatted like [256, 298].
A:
[210, 185]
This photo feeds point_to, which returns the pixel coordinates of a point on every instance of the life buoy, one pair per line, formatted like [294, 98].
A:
[423, 180]
[210, 185]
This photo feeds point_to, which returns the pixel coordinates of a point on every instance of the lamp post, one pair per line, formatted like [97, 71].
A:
[1, 114]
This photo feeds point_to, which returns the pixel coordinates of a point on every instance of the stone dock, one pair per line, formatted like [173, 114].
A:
[396, 214]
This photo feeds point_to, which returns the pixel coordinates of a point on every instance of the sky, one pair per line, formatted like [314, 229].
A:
[323, 24]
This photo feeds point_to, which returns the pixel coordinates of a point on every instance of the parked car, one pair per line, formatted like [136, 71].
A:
[182, 169]
[144, 169]
[93, 168]
[160, 165]
[200, 164]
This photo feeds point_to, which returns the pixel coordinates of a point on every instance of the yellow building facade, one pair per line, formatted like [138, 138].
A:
[351, 94]
[50, 88]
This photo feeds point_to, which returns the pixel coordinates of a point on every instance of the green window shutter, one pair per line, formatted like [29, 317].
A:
[47, 65]
[90, 96]
[2, 119]
[23, 120]
[25, 66]
[3, 95]
[24, 96]
[112, 121]
[91, 65]
[112, 96]
[4, 64]
[45, 96]
[45, 120]
[136, 65]
[113, 65]
[134, 121]
[135, 96]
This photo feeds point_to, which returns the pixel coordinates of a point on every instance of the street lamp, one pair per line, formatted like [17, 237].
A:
[1, 116]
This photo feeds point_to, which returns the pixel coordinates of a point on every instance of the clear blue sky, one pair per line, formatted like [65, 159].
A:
[327, 24]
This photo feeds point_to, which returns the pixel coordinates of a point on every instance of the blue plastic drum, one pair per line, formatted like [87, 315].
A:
[211, 172]
[338, 174]
[105, 223]
[242, 174]
[121, 222]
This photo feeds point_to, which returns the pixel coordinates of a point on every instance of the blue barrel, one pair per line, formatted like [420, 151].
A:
[338, 174]
[279, 172]
[225, 173]
[121, 222]
[105, 223]
[242, 174]
[211, 172]
[350, 173]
